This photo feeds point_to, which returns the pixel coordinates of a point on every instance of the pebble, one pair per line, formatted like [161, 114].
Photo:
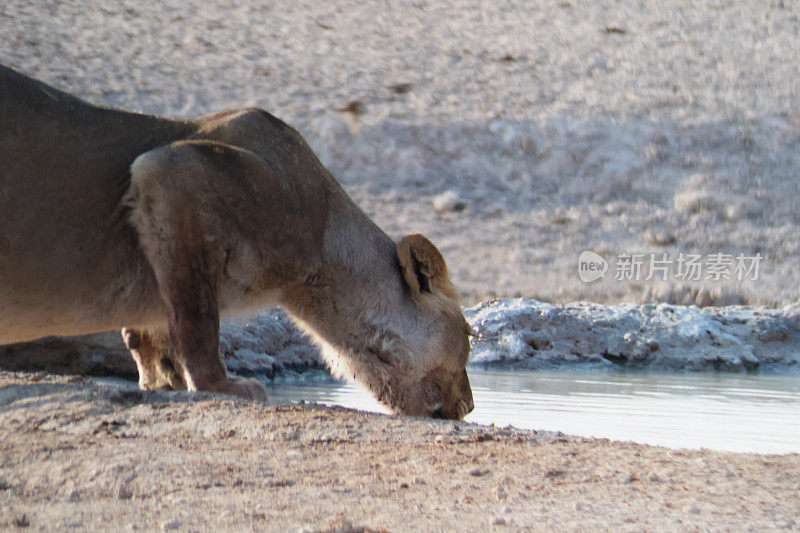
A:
[123, 492]
[499, 521]
[170, 525]
[448, 201]
[21, 521]
[694, 509]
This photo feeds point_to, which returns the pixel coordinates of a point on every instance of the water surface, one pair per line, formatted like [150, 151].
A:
[734, 412]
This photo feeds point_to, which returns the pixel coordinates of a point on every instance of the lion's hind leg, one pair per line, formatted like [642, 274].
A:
[150, 350]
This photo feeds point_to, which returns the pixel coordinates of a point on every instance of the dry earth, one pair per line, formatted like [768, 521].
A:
[622, 127]
[80, 456]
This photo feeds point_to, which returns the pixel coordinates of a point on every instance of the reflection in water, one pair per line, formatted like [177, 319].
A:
[756, 413]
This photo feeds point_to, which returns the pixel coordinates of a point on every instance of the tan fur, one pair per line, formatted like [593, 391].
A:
[111, 219]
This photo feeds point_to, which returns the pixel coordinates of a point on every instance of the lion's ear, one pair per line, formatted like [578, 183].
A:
[422, 266]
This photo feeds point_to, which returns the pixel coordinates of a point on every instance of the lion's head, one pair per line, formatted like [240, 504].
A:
[391, 322]
[442, 389]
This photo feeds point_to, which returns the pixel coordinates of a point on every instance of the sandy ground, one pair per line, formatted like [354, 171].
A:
[620, 127]
[78, 456]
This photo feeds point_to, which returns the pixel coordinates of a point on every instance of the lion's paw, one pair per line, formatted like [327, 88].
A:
[243, 387]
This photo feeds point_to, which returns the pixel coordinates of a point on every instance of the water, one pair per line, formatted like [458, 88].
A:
[743, 413]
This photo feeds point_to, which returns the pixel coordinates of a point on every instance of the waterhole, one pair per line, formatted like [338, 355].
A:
[732, 412]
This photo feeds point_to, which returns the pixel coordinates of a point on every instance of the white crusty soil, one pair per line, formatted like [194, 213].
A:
[508, 333]
[529, 334]
[521, 333]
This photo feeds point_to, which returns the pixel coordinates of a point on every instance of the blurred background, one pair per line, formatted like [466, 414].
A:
[515, 135]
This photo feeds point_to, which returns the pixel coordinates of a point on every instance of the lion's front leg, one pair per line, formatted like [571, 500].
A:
[182, 225]
[150, 350]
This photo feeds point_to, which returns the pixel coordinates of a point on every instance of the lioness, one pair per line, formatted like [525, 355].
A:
[111, 219]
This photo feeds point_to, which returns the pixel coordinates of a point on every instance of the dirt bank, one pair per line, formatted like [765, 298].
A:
[79, 455]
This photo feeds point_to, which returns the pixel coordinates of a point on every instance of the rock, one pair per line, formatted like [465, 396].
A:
[740, 208]
[123, 492]
[170, 525]
[770, 331]
[518, 332]
[99, 354]
[267, 344]
[696, 202]
[21, 521]
[660, 336]
[728, 206]
[448, 201]
[658, 238]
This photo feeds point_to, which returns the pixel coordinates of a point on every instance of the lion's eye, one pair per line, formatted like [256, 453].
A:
[379, 355]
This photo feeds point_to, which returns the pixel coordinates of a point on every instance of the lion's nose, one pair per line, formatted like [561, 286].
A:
[465, 405]
[466, 393]
[470, 406]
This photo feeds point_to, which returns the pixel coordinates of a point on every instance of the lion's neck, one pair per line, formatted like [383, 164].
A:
[356, 307]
